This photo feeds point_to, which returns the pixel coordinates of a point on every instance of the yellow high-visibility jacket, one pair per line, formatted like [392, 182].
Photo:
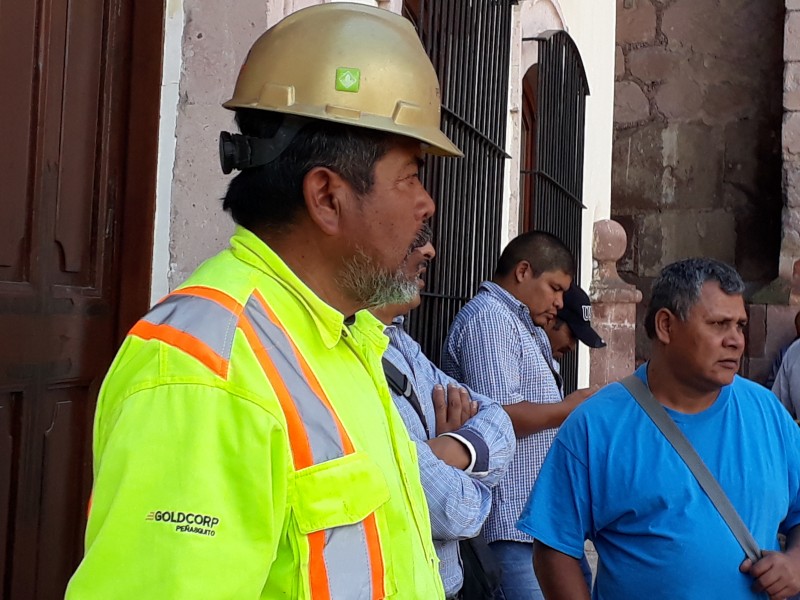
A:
[246, 446]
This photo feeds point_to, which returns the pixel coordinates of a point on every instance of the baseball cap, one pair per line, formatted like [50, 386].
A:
[577, 314]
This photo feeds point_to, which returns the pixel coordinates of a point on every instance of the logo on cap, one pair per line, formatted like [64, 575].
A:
[587, 312]
[348, 79]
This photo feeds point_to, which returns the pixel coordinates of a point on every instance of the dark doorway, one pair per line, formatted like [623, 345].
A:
[79, 119]
[530, 89]
[469, 44]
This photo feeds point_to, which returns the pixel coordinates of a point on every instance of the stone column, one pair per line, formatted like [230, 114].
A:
[790, 243]
[613, 306]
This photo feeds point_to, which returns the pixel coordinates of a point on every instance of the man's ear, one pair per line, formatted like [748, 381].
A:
[664, 322]
[523, 267]
[324, 191]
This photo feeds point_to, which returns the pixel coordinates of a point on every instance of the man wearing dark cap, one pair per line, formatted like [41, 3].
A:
[572, 323]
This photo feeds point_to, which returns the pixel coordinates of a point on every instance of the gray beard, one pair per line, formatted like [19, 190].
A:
[374, 286]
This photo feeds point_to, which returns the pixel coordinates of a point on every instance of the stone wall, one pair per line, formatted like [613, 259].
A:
[697, 136]
[775, 306]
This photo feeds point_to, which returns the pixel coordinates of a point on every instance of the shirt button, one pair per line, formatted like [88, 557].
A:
[344, 333]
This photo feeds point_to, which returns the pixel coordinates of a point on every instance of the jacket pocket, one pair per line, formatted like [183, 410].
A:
[338, 492]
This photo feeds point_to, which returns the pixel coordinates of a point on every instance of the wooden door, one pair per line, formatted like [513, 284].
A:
[66, 188]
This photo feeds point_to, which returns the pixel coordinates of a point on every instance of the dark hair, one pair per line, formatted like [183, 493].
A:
[544, 252]
[678, 287]
[272, 194]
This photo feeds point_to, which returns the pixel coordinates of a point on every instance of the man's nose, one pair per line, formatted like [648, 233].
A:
[735, 338]
[559, 300]
[425, 205]
[428, 251]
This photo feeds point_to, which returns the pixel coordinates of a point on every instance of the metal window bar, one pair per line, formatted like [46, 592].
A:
[468, 42]
[557, 186]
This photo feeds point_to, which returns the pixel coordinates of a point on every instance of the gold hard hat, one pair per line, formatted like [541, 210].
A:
[347, 63]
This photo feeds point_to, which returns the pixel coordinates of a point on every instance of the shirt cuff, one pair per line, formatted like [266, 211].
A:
[477, 448]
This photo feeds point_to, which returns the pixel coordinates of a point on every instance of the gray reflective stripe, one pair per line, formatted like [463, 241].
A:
[346, 553]
[201, 318]
[347, 562]
[323, 435]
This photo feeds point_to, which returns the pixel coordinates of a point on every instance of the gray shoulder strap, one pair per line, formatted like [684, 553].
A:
[684, 448]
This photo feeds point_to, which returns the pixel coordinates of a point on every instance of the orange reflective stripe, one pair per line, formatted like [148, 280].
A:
[375, 556]
[317, 571]
[347, 444]
[298, 438]
[182, 341]
[212, 294]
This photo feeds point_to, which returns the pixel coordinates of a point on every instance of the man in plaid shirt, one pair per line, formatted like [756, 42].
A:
[464, 441]
[497, 347]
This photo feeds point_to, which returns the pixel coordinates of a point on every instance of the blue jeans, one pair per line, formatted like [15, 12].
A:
[518, 580]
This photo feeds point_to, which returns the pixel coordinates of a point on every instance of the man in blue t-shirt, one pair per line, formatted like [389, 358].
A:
[613, 478]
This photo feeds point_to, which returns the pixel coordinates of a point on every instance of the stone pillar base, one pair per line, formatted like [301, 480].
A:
[613, 307]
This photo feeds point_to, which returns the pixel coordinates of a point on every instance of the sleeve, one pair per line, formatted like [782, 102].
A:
[488, 355]
[492, 436]
[782, 387]
[189, 500]
[458, 504]
[489, 433]
[558, 511]
[791, 446]
[773, 370]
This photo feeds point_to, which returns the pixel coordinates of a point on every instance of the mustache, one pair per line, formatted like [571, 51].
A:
[424, 236]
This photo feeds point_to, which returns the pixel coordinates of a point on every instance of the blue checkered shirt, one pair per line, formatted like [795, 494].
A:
[458, 502]
[495, 348]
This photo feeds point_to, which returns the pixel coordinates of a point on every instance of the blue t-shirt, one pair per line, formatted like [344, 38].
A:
[612, 477]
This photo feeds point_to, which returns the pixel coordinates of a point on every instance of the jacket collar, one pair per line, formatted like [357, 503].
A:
[330, 323]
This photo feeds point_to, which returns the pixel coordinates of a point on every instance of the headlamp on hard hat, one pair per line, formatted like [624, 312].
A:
[237, 151]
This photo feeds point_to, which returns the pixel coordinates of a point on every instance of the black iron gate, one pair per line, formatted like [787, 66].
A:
[556, 177]
[468, 42]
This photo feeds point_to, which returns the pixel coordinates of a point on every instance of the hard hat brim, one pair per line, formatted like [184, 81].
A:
[434, 141]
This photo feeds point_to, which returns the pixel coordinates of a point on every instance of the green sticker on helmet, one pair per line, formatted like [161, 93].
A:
[348, 79]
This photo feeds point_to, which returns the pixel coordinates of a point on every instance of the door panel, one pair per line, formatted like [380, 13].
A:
[17, 35]
[10, 405]
[78, 141]
[65, 448]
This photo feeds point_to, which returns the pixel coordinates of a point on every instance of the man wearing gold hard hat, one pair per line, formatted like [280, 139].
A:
[246, 444]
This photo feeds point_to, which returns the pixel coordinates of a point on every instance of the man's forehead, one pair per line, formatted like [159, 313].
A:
[555, 274]
[408, 145]
[716, 303]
